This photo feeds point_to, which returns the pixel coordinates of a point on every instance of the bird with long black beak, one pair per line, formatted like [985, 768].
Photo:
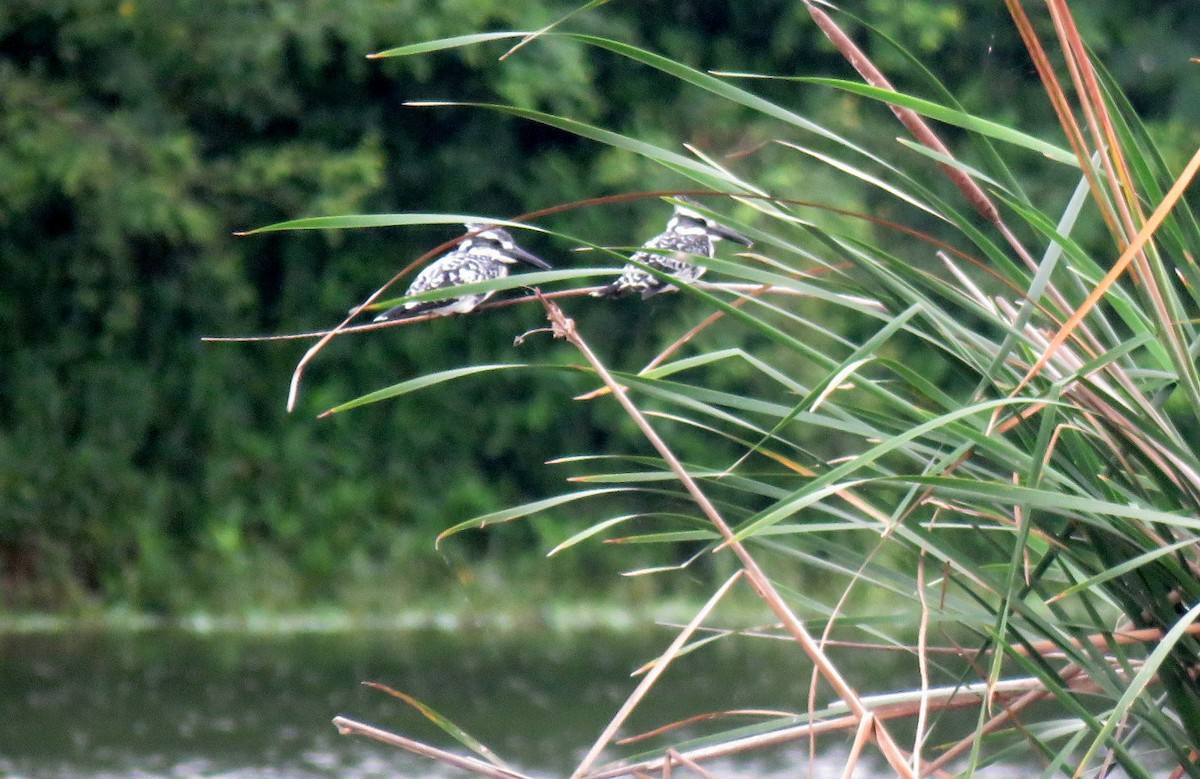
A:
[689, 234]
[483, 256]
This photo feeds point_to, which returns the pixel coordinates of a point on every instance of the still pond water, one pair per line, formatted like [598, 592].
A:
[173, 704]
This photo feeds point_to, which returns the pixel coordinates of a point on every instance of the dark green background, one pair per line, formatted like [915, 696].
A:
[142, 468]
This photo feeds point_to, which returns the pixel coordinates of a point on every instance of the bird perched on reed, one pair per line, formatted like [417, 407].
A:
[484, 256]
[688, 233]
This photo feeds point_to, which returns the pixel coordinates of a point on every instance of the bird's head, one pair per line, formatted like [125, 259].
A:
[689, 221]
[501, 242]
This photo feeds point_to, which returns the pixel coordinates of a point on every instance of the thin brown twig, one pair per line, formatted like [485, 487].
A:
[505, 303]
[298, 372]
[867, 645]
[1101, 641]
[408, 320]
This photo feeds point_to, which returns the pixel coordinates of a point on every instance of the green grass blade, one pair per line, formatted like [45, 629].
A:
[950, 116]
[524, 510]
[422, 382]
[443, 722]
[442, 44]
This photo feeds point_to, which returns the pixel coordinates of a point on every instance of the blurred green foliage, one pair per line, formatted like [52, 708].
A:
[140, 467]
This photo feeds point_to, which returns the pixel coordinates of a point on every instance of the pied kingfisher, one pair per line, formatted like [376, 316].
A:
[688, 233]
[480, 257]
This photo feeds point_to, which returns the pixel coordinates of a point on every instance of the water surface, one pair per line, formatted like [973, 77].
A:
[172, 703]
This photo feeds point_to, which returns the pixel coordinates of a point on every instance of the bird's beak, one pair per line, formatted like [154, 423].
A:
[532, 259]
[730, 234]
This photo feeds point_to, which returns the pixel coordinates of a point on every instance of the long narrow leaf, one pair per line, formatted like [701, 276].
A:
[421, 382]
[516, 512]
[447, 725]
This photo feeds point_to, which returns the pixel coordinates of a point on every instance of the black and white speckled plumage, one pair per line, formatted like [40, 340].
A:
[481, 257]
[688, 234]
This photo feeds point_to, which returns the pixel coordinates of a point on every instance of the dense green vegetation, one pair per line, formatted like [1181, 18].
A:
[962, 394]
[141, 468]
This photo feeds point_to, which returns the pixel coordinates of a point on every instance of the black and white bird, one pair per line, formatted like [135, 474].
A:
[688, 233]
[484, 256]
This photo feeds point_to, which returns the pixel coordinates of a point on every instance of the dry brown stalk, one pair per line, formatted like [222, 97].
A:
[711, 715]
[909, 118]
[650, 678]
[737, 746]
[505, 303]
[1095, 109]
[787, 735]
[861, 735]
[347, 726]
[1193, 756]
[674, 756]
[1101, 641]
[922, 662]
[565, 328]
[1119, 267]
[1062, 107]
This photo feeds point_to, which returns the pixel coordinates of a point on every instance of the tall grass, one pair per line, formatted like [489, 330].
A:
[985, 412]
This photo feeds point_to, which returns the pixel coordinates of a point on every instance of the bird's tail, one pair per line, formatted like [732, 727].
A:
[406, 311]
[613, 291]
[392, 313]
